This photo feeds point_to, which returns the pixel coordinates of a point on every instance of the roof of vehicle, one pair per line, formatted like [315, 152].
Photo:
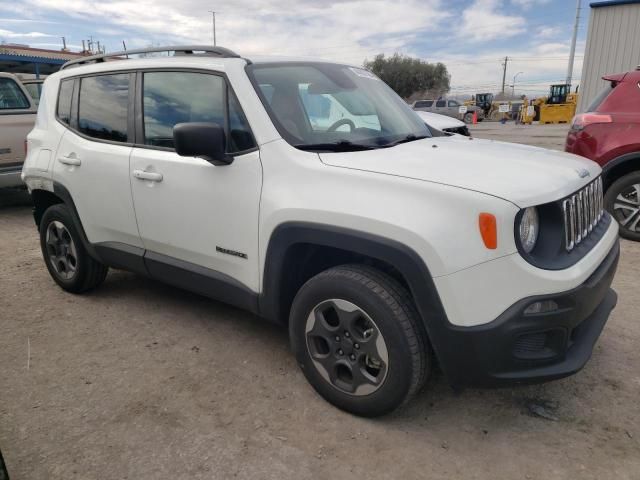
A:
[8, 75]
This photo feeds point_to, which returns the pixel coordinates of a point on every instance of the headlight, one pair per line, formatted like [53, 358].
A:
[529, 228]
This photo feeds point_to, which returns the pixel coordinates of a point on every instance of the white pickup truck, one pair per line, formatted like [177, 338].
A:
[17, 117]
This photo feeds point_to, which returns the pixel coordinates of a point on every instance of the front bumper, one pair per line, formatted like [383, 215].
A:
[519, 348]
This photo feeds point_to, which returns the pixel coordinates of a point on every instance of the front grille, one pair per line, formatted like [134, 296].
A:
[582, 212]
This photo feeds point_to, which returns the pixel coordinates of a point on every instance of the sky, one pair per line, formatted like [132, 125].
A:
[471, 37]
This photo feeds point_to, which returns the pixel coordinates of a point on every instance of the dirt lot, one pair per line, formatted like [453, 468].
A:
[547, 136]
[141, 381]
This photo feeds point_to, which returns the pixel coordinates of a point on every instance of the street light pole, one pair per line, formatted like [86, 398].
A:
[513, 85]
[213, 24]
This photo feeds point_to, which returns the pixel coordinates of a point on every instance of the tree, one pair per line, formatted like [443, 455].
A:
[409, 76]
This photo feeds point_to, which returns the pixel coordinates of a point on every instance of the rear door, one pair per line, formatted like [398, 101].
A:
[17, 117]
[92, 159]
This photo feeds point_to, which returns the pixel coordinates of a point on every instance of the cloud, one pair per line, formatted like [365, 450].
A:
[469, 40]
[10, 34]
[542, 65]
[343, 30]
[484, 20]
[527, 4]
[550, 32]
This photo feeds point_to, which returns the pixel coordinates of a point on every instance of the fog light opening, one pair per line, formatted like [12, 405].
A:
[544, 306]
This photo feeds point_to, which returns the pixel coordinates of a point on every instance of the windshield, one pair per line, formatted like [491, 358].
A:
[329, 107]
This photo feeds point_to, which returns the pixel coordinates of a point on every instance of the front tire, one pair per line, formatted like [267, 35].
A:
[622, 200]
[358, 340]
[68, 262]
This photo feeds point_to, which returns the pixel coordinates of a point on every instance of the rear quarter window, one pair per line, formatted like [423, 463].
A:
[104, 101]
[64, 101]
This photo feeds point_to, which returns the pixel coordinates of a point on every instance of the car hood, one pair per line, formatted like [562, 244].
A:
[439, 121]
[523, 175]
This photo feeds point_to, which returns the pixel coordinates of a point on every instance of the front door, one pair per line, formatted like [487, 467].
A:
[191, 214]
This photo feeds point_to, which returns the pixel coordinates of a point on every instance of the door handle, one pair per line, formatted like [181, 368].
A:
[144, 175]
[70, 159]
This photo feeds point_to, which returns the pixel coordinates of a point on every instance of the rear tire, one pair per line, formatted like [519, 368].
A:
[68, 262]
[622, 200]
[358, 340]
[468, 118]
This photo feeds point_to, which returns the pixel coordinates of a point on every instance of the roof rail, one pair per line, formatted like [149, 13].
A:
[178, 50]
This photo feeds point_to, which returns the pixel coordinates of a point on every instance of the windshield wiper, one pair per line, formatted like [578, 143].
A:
[339, 146]
[409, 138]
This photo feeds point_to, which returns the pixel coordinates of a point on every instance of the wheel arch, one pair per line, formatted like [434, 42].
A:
[298, 250]
[43, 199]
[619, 167]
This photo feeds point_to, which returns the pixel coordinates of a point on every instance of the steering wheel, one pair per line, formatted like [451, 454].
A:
[339, 123]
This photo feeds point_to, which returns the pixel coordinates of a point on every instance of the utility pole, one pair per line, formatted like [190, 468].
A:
[213, 24]
[573, 44]
[504, 74]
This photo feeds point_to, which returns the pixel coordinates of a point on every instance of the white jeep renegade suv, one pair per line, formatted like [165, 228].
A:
[309, 193]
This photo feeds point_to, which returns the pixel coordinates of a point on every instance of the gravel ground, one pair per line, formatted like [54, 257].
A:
[138, 380]
[547, 136]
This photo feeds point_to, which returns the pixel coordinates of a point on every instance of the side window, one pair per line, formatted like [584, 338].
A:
[424, 104]
[104, 100]
[441, 103]
[64, 101]
[170, 98]
[453, 103]
[11, 96]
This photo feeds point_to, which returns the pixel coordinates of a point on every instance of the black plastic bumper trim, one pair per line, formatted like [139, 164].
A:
[483, 356]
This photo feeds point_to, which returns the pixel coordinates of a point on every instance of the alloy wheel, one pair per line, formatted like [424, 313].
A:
[61, 250]
[346, 347]
[626, 208]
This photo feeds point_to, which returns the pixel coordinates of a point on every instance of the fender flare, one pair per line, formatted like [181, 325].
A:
[64, 194]
[403, 258]
[616, 162]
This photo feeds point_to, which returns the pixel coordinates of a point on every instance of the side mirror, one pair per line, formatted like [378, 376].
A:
[200, 139]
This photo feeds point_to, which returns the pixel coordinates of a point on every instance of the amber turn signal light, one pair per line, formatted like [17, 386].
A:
[488, 230]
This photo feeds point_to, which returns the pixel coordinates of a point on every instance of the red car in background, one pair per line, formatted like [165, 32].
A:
[609, 133]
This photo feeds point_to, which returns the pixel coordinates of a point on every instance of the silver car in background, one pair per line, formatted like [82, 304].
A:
[450, 108]
[17, 117]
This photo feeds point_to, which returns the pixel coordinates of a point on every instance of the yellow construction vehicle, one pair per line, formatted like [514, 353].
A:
[483, 101]
[559, 106]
